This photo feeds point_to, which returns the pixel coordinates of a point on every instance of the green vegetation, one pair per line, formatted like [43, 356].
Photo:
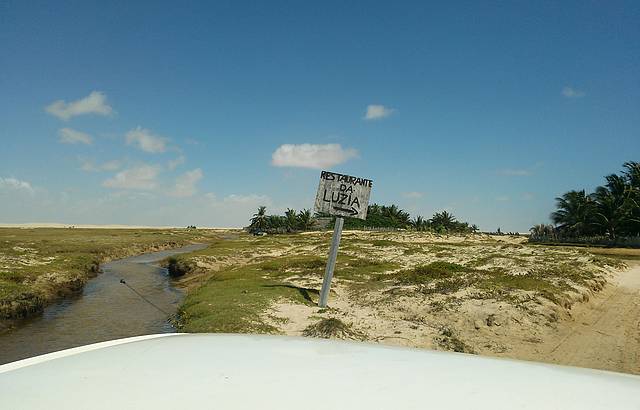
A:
[608, 216]
[332, 328]
[178, 267]
[40, 265]
[381, 216]
[421, 275]
[378, 217]
[290, 222]
[448, 340]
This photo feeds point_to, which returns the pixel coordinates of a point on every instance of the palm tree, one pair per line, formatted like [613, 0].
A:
[291, 219]
[575, 212]
[397, 216]
[374, 209]
[613, 205]
[632, 176]
[305, 220]
[418, 223]
[443, 219]
[542, 231]
[259, 219]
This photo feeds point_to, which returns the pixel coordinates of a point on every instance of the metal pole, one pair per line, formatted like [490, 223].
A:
[331, 263]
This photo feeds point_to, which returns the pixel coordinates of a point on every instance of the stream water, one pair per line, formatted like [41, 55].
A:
[106, 309]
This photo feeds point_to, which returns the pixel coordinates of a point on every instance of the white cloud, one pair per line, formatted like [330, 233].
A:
[142, 178]
[528, 196]
[376, 112]
[146, 141]
[16, 184]
[515, 172]
[503, 198]
[413, 195]
[248, 199]
[90, 166]
[71, 136]
[570, 92]
[94, 103]
[174, 163]
[186, 183]
[311, 155]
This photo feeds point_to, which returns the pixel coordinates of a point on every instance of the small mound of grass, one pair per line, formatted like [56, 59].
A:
[331, 328]
[449, 340]
[384, 242]
[427, 273]
[178, 267]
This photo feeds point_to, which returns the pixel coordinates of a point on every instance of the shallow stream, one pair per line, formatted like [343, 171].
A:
[106, 309]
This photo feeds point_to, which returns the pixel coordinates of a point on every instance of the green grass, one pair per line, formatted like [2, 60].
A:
[424, 274]
[332, 328]
[233, 299]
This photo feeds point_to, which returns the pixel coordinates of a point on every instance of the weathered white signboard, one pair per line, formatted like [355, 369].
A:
[343, 195]
[340, 195]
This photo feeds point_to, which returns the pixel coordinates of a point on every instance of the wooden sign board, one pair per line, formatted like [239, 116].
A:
[343, 195]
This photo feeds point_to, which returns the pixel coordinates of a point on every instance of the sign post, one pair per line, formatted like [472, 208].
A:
[340, 195]
[331, 263]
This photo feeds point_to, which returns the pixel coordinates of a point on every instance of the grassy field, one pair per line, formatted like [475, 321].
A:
[473, 293]
[408, 288]
[40, 265]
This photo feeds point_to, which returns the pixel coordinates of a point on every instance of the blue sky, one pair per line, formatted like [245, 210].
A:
[165, 113]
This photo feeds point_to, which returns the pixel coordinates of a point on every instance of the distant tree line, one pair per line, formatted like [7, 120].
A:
[291, 221]
[382, 216]
[378, 216]
[611, 212]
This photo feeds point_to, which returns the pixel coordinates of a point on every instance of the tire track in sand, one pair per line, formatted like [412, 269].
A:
[604, 333]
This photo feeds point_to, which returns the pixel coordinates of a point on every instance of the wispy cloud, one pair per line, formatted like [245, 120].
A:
[248, 199]
[245, 200]
[143, 178]
[570, 92]
[146, 140]
[94, 103]
[174, 163]
[528, 196]
[315, 156]
[413, 195]
[16, 185]
[376, 112]
[186, 183]
[90, 166]
[71, 136]
[503, 198]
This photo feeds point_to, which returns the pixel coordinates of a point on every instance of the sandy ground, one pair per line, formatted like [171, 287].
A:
[603, 333]
[596, 326]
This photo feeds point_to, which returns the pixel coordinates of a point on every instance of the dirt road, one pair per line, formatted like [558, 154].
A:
[605, 332]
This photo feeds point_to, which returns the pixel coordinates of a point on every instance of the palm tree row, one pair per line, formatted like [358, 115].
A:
[378, 216]
[613, 209]
[382, 216]
[442, 222]
[290, 222]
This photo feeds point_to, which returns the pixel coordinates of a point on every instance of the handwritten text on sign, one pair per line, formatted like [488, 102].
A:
[343, 195]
